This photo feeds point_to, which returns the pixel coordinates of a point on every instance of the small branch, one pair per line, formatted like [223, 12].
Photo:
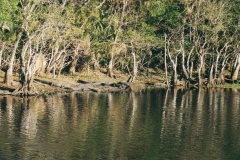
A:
[100, 5]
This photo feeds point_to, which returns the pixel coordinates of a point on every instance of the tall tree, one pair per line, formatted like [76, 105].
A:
[12, 22]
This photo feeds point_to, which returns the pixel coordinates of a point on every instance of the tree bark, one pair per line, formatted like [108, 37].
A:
[185, 73]
[73, 64]
[236, 68]
[221, 78]
[1, 53]
[200, 80]
[211, 82]
[190, 67]
[8, 79]
[175, 75]
[165, 60]
[110, 68]
[72, 67]
[135, 67]
[27, 72]
[174, 64]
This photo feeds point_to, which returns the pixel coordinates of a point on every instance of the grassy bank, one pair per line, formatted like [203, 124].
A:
[228, 85]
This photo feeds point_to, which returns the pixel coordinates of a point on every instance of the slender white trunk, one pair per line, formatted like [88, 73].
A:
[236, 68]
[200, 81]
[135, 66]
[1, 52]
[216, 66]
[186, 74]
[174, 64]
[190, 67]
[9, 74]
[165, 59]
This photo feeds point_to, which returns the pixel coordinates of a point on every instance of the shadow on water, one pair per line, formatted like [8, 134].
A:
[153, 124]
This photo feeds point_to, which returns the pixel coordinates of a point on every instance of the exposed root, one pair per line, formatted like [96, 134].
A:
[25, 91]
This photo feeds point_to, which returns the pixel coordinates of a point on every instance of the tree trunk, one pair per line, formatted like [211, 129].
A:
[185, 73]
[1, 53]
[236, 68]
[27, 73]
[61, 66]
[72, 67]
[95, 59]
[135, 67]
[26, 87]
[165, 59]
[41, 64]
[216, 66]
[8, 79]
[211, 82]
[174, 64]
[110, 67]
[175, 76]
[191, 71]
[190, 66]
[73, 64]
[221, 78]
[200, 80]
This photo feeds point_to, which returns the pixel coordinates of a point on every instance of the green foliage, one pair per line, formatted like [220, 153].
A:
[10, 14]
[107, 23]
[157, 8]
[104, 61]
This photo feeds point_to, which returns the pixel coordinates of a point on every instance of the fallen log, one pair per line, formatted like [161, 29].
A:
[5, 92]
[7, 88]
[43, 81]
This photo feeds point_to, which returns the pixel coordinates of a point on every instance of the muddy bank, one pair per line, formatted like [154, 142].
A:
[82, 85]
[92, 81]
[47, 86]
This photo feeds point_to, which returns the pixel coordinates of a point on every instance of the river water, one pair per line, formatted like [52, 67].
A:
[153, 124]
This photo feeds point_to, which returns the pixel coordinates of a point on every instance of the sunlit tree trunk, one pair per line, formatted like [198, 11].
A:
[190, 66]
[200, 79]
[216, 66]
[118, 30]
[211, 82]
[1, 53]
[28, 9]
[165, 60]
[110, 67]
[221, 78]
[27, 71]
[8, 78]
[56, 60]
[174, 64]
[135, 66]
[52, 59]
[236, 68]
[186, 74]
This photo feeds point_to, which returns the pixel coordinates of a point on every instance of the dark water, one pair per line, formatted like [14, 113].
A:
[154, 124]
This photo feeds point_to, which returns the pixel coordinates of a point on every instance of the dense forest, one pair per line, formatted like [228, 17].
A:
[194, 42]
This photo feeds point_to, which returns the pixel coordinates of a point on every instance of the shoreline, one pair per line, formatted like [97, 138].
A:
[94, 81]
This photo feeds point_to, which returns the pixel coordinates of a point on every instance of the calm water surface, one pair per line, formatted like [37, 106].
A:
[154, 124]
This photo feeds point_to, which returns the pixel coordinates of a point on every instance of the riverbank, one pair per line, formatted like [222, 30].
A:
[85, 81]
[91, 80]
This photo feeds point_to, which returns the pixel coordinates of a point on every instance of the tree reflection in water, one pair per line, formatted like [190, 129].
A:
[153, 124]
